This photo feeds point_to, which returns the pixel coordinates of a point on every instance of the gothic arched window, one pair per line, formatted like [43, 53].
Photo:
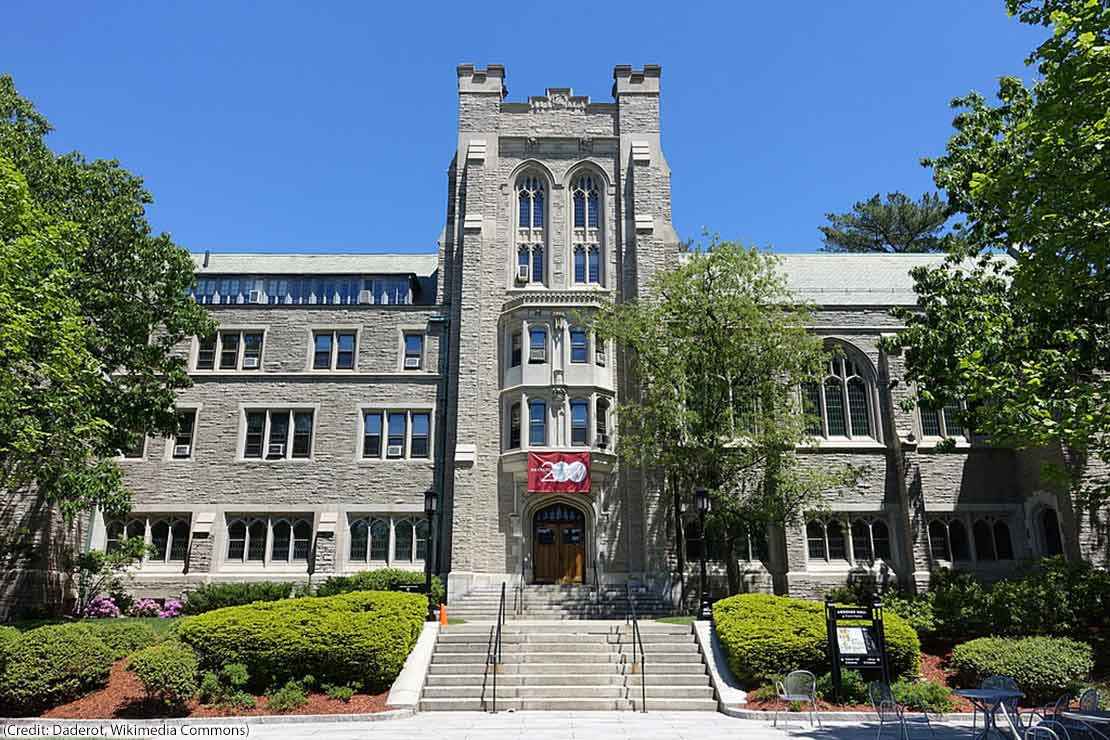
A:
[842, 405]
[531, 266]
[1051, 541]
[585, 194]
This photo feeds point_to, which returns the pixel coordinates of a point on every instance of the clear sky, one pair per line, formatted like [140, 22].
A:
[297, 126]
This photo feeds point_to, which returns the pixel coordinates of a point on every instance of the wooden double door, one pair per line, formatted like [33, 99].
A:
[559, 545]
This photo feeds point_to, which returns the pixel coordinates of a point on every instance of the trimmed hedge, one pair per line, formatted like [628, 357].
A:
[51, 665]
[167, 671]
[122, 637]
[381, 579]
[361, 637]
[767, 636]
[8, 635]
[1044, 667]
[213, 596]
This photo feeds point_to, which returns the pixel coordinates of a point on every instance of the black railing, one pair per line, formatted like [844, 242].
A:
[597, 583]
[493, 656]
[638, 655]
[518, 602]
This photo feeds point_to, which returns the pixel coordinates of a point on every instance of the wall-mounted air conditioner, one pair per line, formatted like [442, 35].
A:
[275, 449]
[250, 363]
[255, 296]
[182, 450]
[412, 363]
[603, 441]
[599, 357]
[394, 451]
[537, 354]
[522, 273]
[364, 296]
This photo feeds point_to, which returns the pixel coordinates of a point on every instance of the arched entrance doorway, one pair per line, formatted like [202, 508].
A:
[559, 544]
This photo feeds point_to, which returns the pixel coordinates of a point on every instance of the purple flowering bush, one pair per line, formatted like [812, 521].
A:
[145, 608]
[171, 609]
[101, 607]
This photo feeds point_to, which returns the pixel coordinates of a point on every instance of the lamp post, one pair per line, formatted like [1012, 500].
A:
[431, 500]
[702, 504]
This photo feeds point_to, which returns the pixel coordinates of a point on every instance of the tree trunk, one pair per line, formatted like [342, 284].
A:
[732, 568]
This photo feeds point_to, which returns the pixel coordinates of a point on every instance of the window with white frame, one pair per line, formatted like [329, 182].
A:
[579, 422]
[166, 535]
[943, 422]
[531, 266]
[599, 351]
[414, 351]
[992, 539]
[585, 193]
[515, 348]
[948, 540]
[537, 423]
[269, 539]
[579, 346]
[278, 434]
[396, 434]
[183, 439]
[384, 539]
[601, 423]
[334, 350]
[842, 405]
[230, 350]
[859, 539]
[537, 345]
[514, 426]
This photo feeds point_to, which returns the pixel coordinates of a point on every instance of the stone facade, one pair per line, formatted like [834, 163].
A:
[596, 227]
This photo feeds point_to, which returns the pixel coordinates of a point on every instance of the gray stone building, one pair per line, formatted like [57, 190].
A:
[340, 388]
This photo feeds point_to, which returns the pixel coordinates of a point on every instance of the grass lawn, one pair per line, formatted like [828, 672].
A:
[676, 620]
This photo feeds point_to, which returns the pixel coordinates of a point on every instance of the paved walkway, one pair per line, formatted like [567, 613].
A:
[585, 726]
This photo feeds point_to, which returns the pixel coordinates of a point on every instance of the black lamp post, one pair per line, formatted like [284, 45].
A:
[431, 500]
[702, 504]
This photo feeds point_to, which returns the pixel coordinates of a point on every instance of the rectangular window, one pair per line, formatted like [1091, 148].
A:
[595, 265]
[579, 422]
[252, 350]
[136, 450]
[183, 440]
[229, 350]
[206, 353]
[599, 351]
[372, 434]
[333, 350]
[579, 264]
[421, 423]
[395, 443]
[514, 349]
[414, 351]
[537, 346]
[267, 435]
[514, 426]
[579, 348]
[537, 423]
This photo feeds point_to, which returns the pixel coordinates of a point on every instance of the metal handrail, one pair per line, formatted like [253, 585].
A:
[494, 655]
[518, 605]
[597, 583]
[637, 641]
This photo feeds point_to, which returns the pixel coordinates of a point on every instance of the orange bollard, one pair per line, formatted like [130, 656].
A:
[442, 615]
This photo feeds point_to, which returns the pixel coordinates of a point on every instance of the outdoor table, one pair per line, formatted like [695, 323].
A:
[987, 702]
[1089, 719]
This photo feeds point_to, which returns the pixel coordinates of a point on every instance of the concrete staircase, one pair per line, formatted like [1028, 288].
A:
[559, 602]
[566, 666]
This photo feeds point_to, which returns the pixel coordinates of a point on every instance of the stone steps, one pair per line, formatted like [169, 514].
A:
[567, 666]
[556, 602]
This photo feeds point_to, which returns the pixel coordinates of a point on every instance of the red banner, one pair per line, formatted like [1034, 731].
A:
[561, 472]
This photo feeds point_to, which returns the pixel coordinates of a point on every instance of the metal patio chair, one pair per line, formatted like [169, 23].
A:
[1010, 709]
[890, 711]
[801, 687]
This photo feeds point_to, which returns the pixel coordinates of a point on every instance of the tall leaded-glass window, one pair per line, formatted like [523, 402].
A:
[942, 422]
[586, 231]
[531, 265]
[842, 405]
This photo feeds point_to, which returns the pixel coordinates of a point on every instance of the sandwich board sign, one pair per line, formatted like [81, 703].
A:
[854, 645]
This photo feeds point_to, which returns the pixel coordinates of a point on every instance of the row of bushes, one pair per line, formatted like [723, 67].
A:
[213, 596]
[1044, 667]
[768, 636]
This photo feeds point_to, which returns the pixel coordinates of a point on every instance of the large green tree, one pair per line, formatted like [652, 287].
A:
[91, 306]
[1017, 322]
[720, 349]
[897, 224]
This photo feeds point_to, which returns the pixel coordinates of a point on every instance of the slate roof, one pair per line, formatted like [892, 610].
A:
[242, 263]
[830, 279]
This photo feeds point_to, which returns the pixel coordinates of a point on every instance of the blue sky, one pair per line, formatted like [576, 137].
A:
[293, 126]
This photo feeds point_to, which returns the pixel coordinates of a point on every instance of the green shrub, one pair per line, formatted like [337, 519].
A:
[916, 609]
[212, 596]
[1044, 667]
[226, 687]
[361, 637]
[289, 697]
[167, 671]
[8, 635]
[122, 636]
[381, 579]
[766, 636]
[342, 693]
[923, 696]
[54, 664]
[853, 689]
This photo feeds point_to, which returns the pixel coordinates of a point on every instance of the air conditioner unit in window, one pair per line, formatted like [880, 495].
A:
[255, 296]
[277, 449]
[599, 357]
[537, 354]
[412, 363]
[394, 451]
[182, 450]
[250, 363]
[603, 441]
[522, 272]
[364, 296]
